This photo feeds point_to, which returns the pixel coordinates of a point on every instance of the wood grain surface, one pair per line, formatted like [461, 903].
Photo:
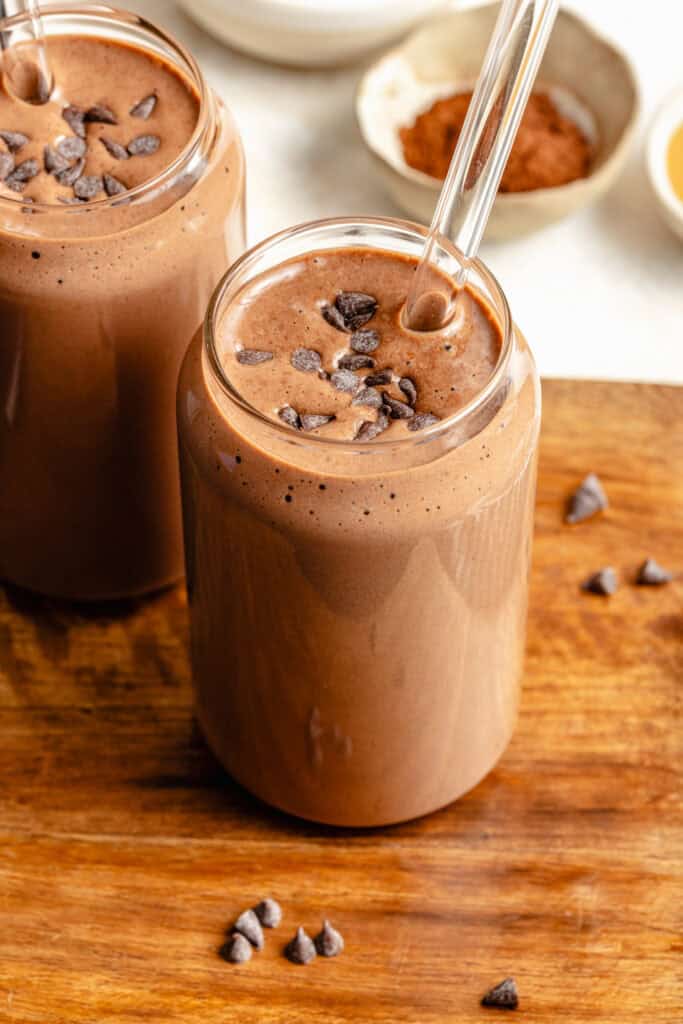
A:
[125, 852]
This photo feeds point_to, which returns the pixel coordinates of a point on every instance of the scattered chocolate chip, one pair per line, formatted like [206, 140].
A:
[71, 175]
[329, 942]
[651, 574]
[14, 140]
[236, 950]
[586, 500]
[114, 148]
[422, 420]
[53, 161]
[306, 359]
[375, 379]
[250, 926]
[301, 949]
[313, 420]
[253, 356]
[503, 996]
[602, 582]
[356, 308]
[88, 186]
[333, 316]
[71, 147]
[408, 388]
[370, 429]
[144, 145]
[112, 185]
[100, 114]
[269, 913]
[345, 380]
[351, 361]
[6, 165]
[364, 341]
[290, 416]
[21, 174]
[398, 410]
[144, 107]
[368, 396]
[75, 118]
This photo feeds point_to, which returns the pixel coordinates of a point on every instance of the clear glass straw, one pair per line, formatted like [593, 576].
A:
[24, 59]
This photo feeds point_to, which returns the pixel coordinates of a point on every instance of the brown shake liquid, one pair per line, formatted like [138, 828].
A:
[100, 293]
[358, 608]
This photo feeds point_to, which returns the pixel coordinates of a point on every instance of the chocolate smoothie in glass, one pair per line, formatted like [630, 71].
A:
[121, 204]
[358, 508]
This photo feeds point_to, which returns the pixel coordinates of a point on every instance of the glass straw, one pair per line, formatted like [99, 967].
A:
[24, 58]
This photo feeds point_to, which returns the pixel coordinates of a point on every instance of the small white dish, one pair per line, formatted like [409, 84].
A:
[309, 33]
[667, 120]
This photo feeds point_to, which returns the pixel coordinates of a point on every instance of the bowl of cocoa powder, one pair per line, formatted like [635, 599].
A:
[572, 142]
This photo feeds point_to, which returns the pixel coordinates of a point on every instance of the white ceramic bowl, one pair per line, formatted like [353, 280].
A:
[309, 33]
[667, 119]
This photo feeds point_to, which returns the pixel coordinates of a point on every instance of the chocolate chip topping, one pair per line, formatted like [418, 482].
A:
[290, 416]
[651, 574]
[313, 420]
[6, 165]
[364, 341]
[422, 420]
[368, 396]
[88, 186]
[71, 147]
[502, 996]
[356, 308]
[253, 356]
[144, 107]
[351, 361]
[14, 140]
[75, 118]
[586, 500]
[236, 950]
[408, 388]
[114, 148]
[375, 379]
[300, 950]
[399, 410]
[269, 913]
[306, 359]
[100, 114]
[370, 429]
[112, 185]
[602, 582]
[21, 174]
[144, 145]
[328, 941]
[71, 175]
[53, 161]
[333, 316]
[249, 925]
[345, 380]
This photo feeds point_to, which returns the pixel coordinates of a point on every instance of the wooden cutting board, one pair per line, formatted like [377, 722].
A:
[125, 852]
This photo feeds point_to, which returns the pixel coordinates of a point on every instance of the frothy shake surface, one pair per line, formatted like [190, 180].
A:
[319, 344]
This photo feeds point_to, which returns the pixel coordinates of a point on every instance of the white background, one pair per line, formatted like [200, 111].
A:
[598, 295]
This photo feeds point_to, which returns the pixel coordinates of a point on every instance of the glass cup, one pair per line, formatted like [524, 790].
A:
[98, 303]
[357, 611]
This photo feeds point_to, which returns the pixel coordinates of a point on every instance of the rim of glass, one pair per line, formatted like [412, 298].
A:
[117, 14]
[301, 230]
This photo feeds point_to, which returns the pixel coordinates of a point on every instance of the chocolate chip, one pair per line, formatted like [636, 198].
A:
[75, 118]
[333, 316]
[313, 420]
[375, 379]
[369, 397]
[408, 388]
[53, 161]
[398, 410]
[100, 115]
[71, 175]
[356, 308]
[329, 942]
[364, 341]
[250, 926]
[144, 145]
[422, 420]
[71, 148]
[114, 148]
[236, 950]
[503, 996]
[6, 165]
[602, 582]
[112, 185]
[269, 913]
[290, 416]
[14, 140]
[351, 361]
[144, 107]
[300, 950]
[88, 186]
[586, 500]
[370, 429]
[306, 359]
[651, 574]
[345, 380]
[253, 356]
[21, 174]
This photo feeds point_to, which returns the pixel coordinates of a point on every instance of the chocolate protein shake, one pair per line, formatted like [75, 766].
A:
[358, 507]
[121, 204]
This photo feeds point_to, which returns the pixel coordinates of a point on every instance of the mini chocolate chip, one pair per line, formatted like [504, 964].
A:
[14, 140]
[328, 941]
[290, 416]
[112, 185]
[306, 359]
[422, 420]
[604, 582]
[364, 341]
[333, 316]
[375, 379]
[71, 147]
[586, 500]
[71, 175]
[253, 356]
[300, 950]
[250, 926]
[313, 420]
[53, 161]
[6, 165]
[88, 186]
[144, 145]
[351, 361]
[114, 148]
[503, 996]
[408, 388]
[356, 308]
[369, 397]
[101, 115]
[237, 950]
[345, 380]
[144, 107]
[269, 913]
[651, 574]
[369, 429]
[21, 174]
[399, 410]
[75, 117]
